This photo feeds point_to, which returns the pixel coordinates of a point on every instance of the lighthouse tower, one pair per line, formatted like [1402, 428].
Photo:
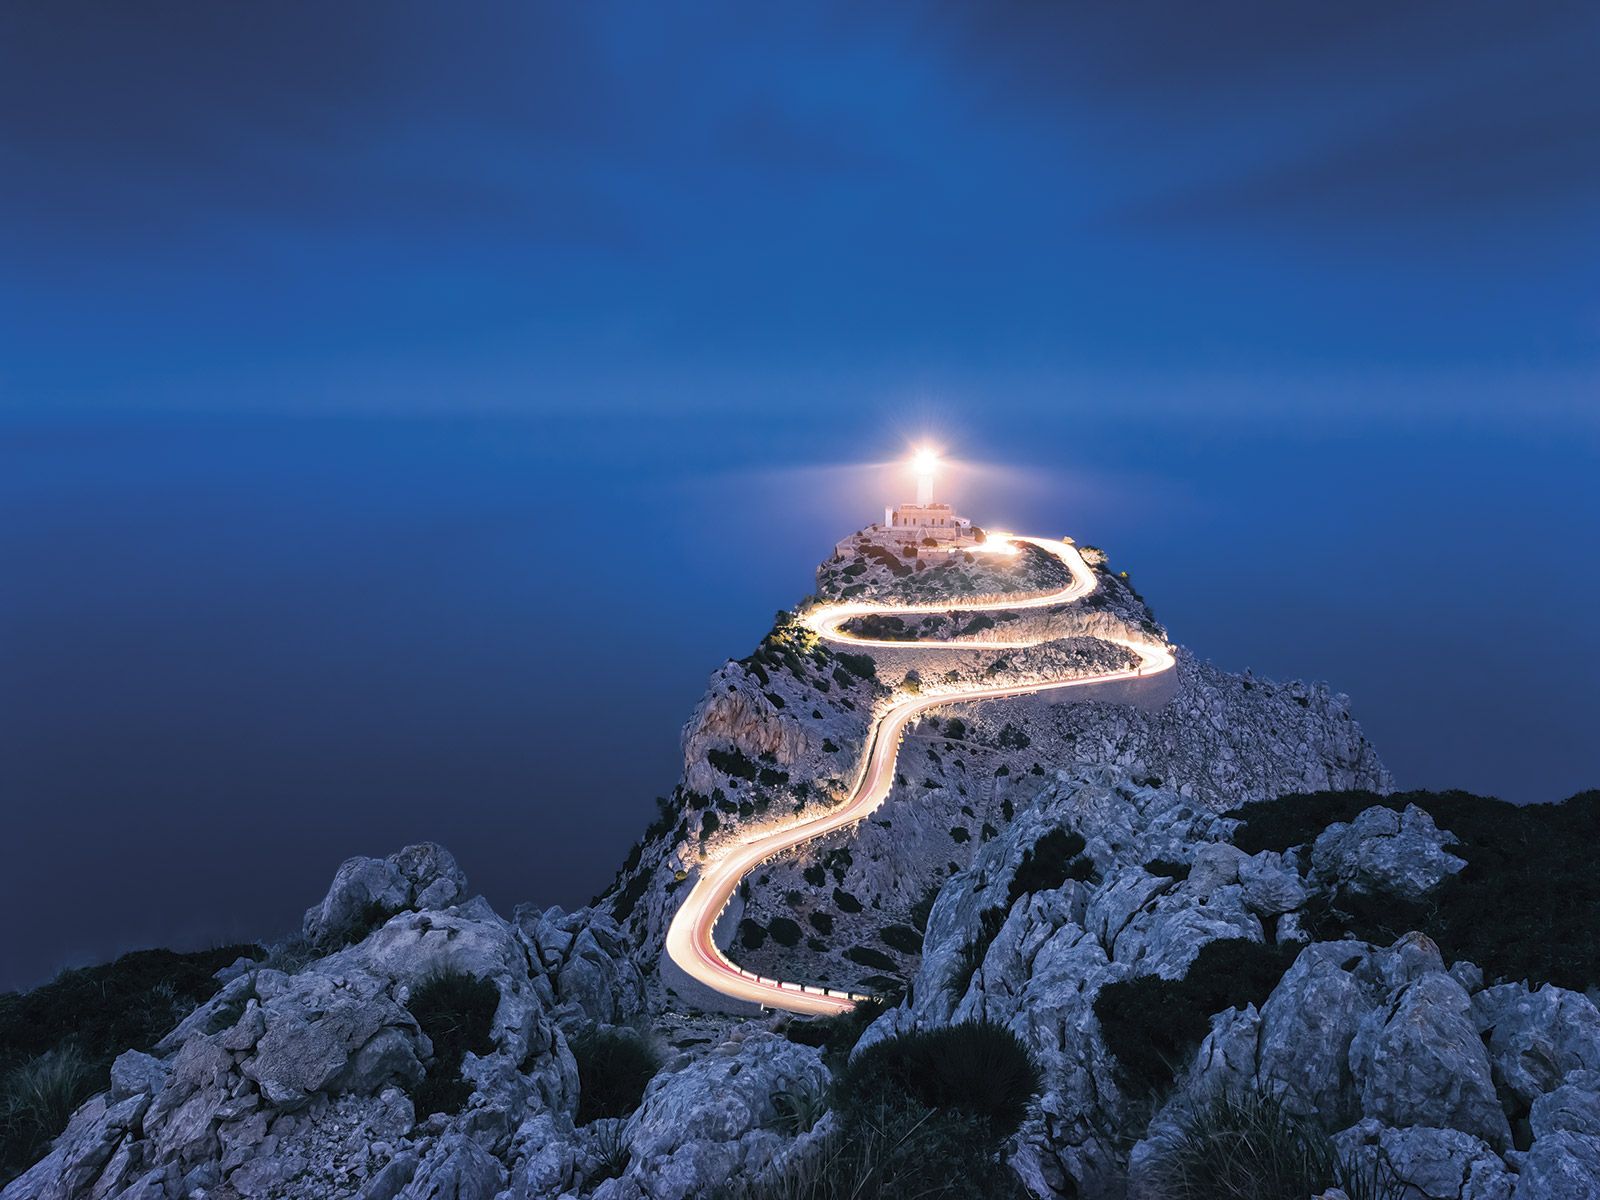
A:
[924, 525]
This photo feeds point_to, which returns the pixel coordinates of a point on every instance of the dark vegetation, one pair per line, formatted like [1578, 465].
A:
[733, 763]
[1152, 1024]
[860, 665]
[1048, 863]
[57, 1041]
[456, 1011]
[881, 628]
[1012, 738]
[978, 1069]
[868, 957]
[788, 646]
[614, 1068]
[921, 1115]
[972, 953]
[1248, 1147]
[837, 1035]
[902, 938]
[897, 1152]
[372, 915]
[1527, 906]
[784, 931]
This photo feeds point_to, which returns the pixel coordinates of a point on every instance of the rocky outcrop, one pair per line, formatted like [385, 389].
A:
[716, 1119]
[289, 1085]
[1413, 1066]
[367, 890]
[1383, 852]
[584, 972]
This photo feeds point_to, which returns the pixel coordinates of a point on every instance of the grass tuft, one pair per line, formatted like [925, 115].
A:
[614, 1068]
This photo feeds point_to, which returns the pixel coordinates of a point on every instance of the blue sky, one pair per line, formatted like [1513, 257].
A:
[403, 409]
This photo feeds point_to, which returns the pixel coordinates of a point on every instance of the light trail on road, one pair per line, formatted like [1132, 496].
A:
[690, 943]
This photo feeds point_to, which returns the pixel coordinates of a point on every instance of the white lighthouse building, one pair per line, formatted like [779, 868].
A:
[923, 528]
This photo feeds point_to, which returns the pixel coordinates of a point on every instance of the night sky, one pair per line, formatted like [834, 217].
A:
[404, 407]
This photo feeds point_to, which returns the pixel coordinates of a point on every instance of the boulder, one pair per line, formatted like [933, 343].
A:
[1418, 1061]
[1537, 1037]
[1307, 1025]
[583, 963]
[1574, 1107]
[1561, 1166]
[716, 1118]
[1431, 1164]
[1384, 852]
[366, 891]
[456, 1168]
[1271, 886]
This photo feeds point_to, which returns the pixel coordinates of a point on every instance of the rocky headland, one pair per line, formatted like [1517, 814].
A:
[1181, 922]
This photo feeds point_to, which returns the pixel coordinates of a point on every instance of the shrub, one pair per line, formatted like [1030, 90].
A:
[902, 938]
[609, 1142]
[972, 953]
[1012, 738]
[845, 901]
[1152, 1024]
[752, 934]
[979, 1069]
[859, 665]
[1248, 1147]
[784, 931]
[822, 922]
[456, 1011]
[733, 763]
[614, 1068]
[1049, 863]
[37, 1097]
[836, 1035]
[372, 915]
[896, 1152]
[868, 957]
[798, 1109]
[628, 898]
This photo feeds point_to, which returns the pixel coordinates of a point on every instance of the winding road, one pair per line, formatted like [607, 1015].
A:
[690, 943]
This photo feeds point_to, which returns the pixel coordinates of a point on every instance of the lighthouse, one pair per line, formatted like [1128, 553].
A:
[923, 527]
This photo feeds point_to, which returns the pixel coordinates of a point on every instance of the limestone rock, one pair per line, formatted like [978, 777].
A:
[1432, 1164]
[585, 970]
[715, 1118]
[1382, 851]
[1537, 1037]
[456, 1168]
[1561, 1166]
[1419, 1061]
[423, 876]
[1574, 1107]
